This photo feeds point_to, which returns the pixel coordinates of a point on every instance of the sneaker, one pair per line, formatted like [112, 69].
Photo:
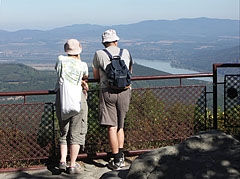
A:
[62, 166]
[122, 161]
[114, 166]
[74, 170]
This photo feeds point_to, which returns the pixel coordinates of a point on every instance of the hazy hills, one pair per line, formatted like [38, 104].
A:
[182, 29]
[198, 28]
[188, 43]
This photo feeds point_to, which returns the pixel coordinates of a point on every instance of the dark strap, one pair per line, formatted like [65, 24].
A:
[120, 53]
[110, 55]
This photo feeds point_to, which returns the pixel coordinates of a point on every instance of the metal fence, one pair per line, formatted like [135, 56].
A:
[228, 119]
[232, 100]
[157, 117]
[26, 132]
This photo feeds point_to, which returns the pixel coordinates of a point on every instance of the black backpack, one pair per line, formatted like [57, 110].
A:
[118, 75]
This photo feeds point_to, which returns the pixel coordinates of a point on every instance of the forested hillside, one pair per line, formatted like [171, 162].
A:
[19, 77]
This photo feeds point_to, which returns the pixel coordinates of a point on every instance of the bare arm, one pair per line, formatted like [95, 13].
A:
[131, 63]
[130, 69]
[96, 74]
[85, 85]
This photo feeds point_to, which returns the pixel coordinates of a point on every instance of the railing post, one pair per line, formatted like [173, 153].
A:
[53, 136]
[215, 124]
[205, 96]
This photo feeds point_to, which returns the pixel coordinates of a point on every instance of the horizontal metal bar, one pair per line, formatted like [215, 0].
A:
[158, 77]
[135, 78]
[137, 152]
[97, 154]
[226, 65]
[209, 92]
[197, 75]
[27, 93]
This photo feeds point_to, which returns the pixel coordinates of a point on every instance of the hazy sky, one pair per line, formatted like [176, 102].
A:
[48, 14]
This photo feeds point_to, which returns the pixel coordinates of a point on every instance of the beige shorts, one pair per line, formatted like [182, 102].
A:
[113, 107]
[74, 129]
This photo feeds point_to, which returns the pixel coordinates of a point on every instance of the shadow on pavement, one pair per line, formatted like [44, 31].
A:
[117, 174]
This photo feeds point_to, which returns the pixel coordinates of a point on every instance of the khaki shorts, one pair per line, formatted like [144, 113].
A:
[74, 129]
[113, 107]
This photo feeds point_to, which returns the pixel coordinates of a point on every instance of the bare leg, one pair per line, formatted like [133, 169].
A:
[113, 139]
[63, 150]
[120, 135]
[74, 149]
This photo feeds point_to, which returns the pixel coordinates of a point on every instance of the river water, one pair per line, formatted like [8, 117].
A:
[166, 67]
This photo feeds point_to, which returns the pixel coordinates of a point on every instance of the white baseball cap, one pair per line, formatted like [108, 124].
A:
[109, 36]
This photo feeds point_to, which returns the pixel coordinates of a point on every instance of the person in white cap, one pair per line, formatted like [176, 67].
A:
[113, 104]
[70, 69]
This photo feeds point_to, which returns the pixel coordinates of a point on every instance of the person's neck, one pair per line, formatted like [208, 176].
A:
[111, 44]
[75, 56]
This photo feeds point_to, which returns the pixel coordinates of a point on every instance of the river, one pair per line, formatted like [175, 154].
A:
[166, 67]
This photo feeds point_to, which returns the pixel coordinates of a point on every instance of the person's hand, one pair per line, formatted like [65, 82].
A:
[85, 85]
[85, 88]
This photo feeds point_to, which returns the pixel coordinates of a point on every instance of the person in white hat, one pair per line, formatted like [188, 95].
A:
[113, 104]
[70, 69]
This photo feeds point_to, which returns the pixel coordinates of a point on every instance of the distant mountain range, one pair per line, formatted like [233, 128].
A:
[151, 30]
[187, 43]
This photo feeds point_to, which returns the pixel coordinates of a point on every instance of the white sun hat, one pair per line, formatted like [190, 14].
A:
[73, 47]
[109, 36]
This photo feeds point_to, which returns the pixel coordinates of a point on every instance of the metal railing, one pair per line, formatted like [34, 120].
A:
[215, 88]
[165, 115]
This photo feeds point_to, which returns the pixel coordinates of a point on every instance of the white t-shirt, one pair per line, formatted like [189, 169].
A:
[70, 69]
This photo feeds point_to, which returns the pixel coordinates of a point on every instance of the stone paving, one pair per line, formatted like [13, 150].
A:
[92, 169]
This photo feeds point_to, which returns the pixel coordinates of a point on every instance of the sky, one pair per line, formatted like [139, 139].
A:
[49, 14]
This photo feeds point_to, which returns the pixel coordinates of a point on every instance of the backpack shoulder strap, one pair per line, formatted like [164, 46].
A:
[121, 52]
[108, 53]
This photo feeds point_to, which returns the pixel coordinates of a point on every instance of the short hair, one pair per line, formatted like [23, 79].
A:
[106, 44]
